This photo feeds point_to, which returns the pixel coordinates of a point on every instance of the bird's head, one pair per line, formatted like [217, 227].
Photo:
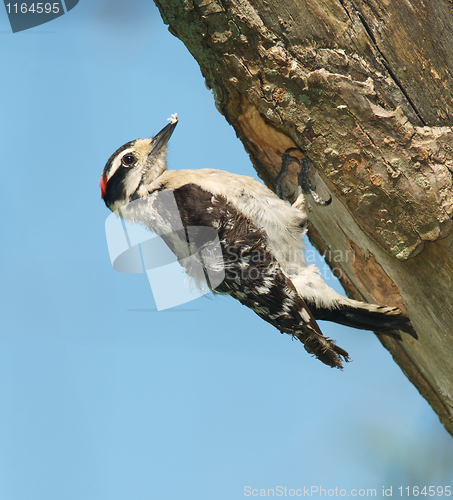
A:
[134, 166]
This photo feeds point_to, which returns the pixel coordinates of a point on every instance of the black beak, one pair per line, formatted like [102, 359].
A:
[160, 139]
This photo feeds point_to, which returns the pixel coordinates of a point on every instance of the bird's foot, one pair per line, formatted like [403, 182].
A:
[287, 159]
[304, 182]
[307, 185]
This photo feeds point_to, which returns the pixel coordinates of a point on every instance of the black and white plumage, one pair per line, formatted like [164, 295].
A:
[260, 237]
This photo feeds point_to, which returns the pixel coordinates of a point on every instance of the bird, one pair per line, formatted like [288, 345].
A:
[260, 236]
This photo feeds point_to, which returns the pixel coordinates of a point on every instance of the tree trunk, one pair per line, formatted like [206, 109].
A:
[365, 89]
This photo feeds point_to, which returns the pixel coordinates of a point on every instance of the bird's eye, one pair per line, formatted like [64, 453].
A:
[128, 160]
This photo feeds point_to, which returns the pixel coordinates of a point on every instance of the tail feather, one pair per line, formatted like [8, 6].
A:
[325, 350]
[322, 347]
[380, 319]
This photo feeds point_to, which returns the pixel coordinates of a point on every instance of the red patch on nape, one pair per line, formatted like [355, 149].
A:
[103, 185]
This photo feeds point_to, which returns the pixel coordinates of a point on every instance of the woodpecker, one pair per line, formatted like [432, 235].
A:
[260, 236]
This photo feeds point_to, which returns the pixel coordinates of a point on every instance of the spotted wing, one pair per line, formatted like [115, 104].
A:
[252, 274]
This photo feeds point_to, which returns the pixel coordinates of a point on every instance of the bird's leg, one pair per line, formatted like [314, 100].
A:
[306, 185]
[287, 159]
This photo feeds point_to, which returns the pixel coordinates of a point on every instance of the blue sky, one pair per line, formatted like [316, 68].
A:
[102, 397]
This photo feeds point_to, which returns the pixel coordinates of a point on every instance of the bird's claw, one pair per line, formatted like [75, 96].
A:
[287, 159]
[307, 185]
[303, 180]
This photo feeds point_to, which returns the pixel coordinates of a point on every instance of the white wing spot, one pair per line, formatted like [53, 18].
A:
[305, 315]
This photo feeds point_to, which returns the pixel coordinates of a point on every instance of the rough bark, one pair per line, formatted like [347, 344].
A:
[365, 88]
